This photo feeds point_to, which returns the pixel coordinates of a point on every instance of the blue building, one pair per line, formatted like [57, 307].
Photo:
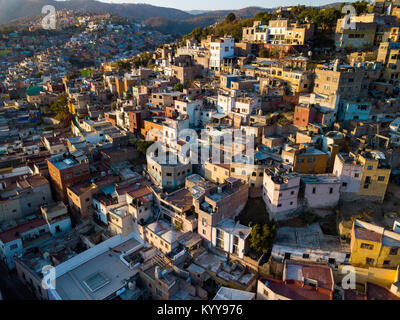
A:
[354, 110]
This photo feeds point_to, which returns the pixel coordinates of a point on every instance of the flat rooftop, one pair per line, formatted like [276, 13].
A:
[97, 278]
[308, 237]
[225, 293]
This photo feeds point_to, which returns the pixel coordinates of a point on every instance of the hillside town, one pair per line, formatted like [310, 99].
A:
[137, 166]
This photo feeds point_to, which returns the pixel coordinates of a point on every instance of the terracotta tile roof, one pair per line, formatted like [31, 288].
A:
[143, 191]
[364, 234]
[223, 165]
[376, 292]
[354, 295]
[296, 290]
[372, 292]
[320, 273]
[182, 199]
[14, 233]
[37, 180]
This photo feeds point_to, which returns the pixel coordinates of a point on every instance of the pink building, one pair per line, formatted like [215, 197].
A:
[321, 191]
[349, 171]
[280, 192]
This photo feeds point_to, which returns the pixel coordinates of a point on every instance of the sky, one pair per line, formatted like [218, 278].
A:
[224, 4]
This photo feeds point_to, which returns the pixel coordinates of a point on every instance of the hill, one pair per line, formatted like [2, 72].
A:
[166, 20]
[14, 9]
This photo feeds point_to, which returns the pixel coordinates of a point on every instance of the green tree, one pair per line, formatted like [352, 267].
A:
[262, 237]
[178, 87]
[60, 107]
[230, 17]
[143, 145]
[124, 65]
[263, 53]
[361, 6]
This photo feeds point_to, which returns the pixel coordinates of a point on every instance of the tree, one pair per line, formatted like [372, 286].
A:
[230, 17]
[264, 17]
[188, 84]
[60, 107]
[124, 65]
[178, 87]
[263, 53]
[262, 238]
[113, 105]
[361, 6]
[145, 59]
[143, 145]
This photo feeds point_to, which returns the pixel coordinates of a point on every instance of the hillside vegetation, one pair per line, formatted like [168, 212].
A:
[325, 18]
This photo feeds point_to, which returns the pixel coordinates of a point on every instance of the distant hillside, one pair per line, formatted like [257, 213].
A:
[335, 5]
[166, 20]
[202, 20]
[196, 12]
[242, 13]
[14, 9]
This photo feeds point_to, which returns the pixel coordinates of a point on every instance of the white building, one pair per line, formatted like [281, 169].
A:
[220, 49]
[230, 237]
[225, 103]
[191, 109]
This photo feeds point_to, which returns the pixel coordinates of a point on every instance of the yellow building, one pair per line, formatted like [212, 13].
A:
[389, 55]
[216, 172]
[360, 37]
[154, 130]
[373, 246]
[375, 176]
[298, 81]
[379, 276]
[306, 159]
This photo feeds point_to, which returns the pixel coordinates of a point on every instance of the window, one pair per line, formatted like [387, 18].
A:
[367, 246]
[386, 262]
[314, 190]
[381, 178]
[13, 246]
[393, 251]
[370, 167]
[344, 184]
[306, 256]
[330, 190]
[369, 261]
